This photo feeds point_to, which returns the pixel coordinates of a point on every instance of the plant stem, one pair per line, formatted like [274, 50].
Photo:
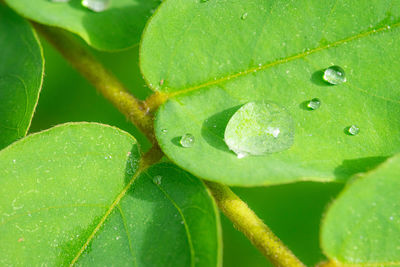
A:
[246, 221]
[140, 114]
[101, 78]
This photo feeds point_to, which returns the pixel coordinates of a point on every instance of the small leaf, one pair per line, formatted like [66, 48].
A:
[76, 194]
[212, 62]
[21, 75]
[362, 226]
[119, 26]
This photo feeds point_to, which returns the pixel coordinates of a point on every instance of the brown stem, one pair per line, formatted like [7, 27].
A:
[101, 78]
[246, 221]
[140, 114]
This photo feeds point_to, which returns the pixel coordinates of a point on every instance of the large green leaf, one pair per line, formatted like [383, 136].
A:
[118, 27]
[362, 226]
[210, 60]
[77, 194]
[21, 75]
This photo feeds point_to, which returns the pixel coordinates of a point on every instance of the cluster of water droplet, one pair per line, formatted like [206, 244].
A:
[262, 127]
[94, 5]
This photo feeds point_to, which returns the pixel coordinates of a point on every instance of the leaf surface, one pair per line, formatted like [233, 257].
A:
[76, 194]
[118, 27]
[21, 75]
[212, 57]
[362, 226]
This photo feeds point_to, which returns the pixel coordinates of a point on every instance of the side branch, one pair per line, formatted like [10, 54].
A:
[246, 221]
[101, 78]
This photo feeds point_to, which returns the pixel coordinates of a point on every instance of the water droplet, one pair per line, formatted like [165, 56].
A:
[314, 104]
[244, 16]
[353, 130]
[157, 179]
[187, 140]
[334, 75]
[96, 5]
[164, 131]
[391, 218]
[259, 128]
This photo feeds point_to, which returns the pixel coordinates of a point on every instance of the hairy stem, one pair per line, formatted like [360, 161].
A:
[140, 114]
[246, 221]
[101, 78]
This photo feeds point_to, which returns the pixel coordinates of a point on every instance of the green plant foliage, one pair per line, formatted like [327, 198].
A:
[76, 193]
[362, 226]
[211, 60]
[118, 27]
[21, 73]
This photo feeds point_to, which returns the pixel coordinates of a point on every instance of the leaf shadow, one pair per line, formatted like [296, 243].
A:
[351, 167]
[317, 78]
[213, 128]
[176, 141]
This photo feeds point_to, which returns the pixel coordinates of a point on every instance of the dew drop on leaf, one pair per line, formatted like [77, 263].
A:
[164, 131]
[353, 130]
[259, 128]
[244, 16]
[314, 104]
[96, 5]
[187, 140]
[157, 179]
[334, 75]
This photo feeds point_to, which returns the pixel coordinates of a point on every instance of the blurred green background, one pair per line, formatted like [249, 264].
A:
[292, 211]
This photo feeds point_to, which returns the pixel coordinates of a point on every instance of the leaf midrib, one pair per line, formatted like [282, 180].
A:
[107, 214]
[285, 60]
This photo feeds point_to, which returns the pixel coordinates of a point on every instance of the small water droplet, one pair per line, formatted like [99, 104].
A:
[164, 131]
[259, 128]
[314, 104]
[96, 5]
[157, 179]
[187, 140]
[353, 130]
[391, 218]
[117, 238]
[334, 75]
[244, 16]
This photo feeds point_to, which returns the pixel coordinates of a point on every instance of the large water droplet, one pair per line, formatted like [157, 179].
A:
[96, 5]
[334, 75]
[259, 128]
[314, 104]
[353, 130]
[187, 140]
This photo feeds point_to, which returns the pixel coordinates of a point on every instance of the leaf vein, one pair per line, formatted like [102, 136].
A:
[286, 59]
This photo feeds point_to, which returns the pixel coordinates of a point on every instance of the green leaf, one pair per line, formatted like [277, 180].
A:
[77, 194]
[210, 62]
[362, 226]
[21, 75]
[118, 27]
